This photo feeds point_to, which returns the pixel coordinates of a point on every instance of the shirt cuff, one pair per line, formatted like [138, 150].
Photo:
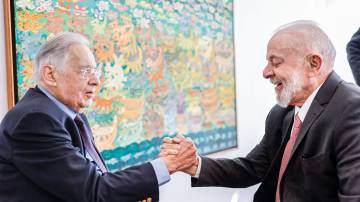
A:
[197, 173]
[161, 171]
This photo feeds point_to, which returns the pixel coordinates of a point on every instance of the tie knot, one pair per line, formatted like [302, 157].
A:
[78, 120]
[297, 121]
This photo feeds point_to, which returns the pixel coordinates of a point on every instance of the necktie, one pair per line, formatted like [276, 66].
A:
[89, 146]
[287, 152]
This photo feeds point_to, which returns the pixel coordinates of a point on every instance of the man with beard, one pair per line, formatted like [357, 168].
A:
[311, 147]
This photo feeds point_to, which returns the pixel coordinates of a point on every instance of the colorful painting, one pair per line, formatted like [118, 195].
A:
[168, 68]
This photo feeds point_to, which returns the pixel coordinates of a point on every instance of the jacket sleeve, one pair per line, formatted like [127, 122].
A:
[353, 55]
[235, 173]
[42, 151]
[244, 171]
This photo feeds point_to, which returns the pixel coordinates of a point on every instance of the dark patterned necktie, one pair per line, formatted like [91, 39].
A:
[89, 146]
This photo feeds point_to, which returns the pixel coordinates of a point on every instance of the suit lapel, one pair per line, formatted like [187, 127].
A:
[75, 135]
[287, 125]
[314, 111]
[323, 96]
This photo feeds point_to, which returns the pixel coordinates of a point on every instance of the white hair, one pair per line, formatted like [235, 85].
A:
[312, 37]
[55, 51]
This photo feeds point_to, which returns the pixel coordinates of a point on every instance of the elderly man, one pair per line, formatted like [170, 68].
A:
[47, 152]
[353, 55]
[311, 147]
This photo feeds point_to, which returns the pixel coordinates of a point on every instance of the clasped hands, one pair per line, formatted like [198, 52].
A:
[179, 154]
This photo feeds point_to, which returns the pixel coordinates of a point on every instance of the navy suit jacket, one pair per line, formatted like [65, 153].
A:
[353, 55]
[324, 164]
[42, 160]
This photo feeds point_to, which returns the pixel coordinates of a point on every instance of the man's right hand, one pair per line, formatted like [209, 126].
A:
[179, 154]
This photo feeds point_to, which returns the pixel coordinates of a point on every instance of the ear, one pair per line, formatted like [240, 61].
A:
[315, 61]
[48, 75]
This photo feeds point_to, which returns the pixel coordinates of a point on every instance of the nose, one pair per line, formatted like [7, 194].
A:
[268, 71]
[94, 80]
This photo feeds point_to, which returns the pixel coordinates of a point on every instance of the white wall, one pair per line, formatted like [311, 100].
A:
[254, 22]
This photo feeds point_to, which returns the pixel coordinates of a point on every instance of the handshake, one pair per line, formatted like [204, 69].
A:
[179, 154]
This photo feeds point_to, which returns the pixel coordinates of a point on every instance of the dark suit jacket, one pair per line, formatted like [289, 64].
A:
[325, 162]
[42, 160]
[353, 55]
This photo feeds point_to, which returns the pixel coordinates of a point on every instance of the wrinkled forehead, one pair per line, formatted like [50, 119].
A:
[81, 55]
[285, 42]
[284, 38]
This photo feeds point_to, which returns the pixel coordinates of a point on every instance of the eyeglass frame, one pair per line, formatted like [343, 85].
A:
[86, 72]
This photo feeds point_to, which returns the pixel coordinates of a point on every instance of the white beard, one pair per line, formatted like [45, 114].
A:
[285, 96]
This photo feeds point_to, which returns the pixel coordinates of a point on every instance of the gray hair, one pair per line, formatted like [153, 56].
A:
[313, 38]
[55, 52]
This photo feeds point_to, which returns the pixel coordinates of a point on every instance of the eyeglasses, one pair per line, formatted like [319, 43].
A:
[87, 72]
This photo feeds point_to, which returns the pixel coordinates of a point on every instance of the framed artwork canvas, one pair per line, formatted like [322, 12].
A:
[168, 68]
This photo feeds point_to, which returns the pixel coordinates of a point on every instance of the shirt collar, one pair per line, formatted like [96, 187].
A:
[63, 107]
[303, 110]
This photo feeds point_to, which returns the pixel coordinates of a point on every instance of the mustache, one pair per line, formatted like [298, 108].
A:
[275, 81]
